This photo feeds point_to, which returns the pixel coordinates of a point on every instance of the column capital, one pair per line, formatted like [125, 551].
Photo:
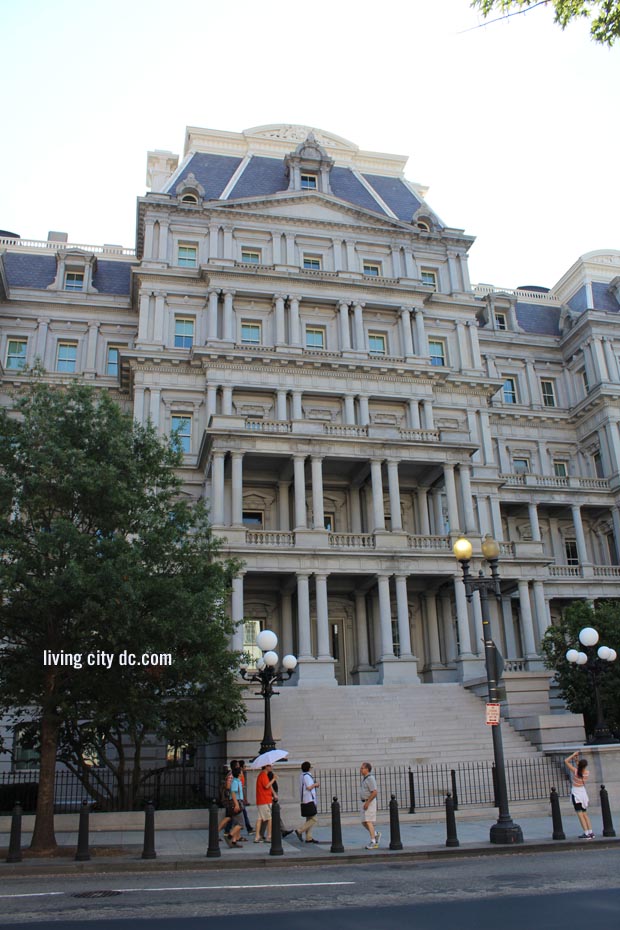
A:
[213, 290]
[229, 292]
[359, 303]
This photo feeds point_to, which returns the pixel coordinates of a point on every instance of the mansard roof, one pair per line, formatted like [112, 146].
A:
[27, 269]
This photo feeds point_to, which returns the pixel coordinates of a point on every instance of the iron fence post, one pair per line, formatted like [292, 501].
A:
[395, 841]
[455, 797]
[411, 793]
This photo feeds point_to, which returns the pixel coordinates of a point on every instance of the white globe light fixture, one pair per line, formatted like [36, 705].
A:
[604, 652]
[613, 656]
[268, 673]
[289, 662]
[581, 658]
[266, 640]
[271, 659]
[572, 656]
[588, 636]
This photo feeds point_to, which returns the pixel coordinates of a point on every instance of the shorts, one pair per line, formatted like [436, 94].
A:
[370, 814]
[577, 804]
[263, 811]
[236, 820]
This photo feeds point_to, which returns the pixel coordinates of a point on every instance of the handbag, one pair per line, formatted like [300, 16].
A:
[308, 809]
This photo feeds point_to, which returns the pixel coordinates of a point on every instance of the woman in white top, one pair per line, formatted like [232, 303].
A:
[579, 795]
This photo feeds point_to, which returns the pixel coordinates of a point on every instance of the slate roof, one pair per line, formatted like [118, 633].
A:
[579, 301]
[537, 318]
[26, 269]
[603, 298]
[263, 176]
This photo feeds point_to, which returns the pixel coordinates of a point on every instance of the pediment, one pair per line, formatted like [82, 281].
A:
[315, 207]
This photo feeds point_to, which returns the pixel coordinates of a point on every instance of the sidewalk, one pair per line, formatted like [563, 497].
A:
[177, 850]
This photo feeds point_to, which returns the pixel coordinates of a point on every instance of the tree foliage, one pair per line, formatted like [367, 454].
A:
[604, 14]
[575, 683]
[101, 553]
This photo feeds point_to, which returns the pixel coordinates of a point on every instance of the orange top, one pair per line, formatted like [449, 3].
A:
[263, 789]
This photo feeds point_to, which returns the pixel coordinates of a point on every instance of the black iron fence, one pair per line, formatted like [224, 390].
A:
[414, 787]
[426, 786]
[172, 787]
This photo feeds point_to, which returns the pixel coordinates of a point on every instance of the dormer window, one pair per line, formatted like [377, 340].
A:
[74, 280]
[75, 270]
[309, 182]
[190, 190]
[189, 198]
[309, 167]
[423, 226]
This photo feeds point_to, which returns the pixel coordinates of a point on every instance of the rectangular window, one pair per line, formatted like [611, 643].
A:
[521, 466]
[315, 337]
[500, 321]
[187, 255]
[560, 469]
[111, 367]
[598, 465]
[16, 354]
[182, 427]
[66, 356]
[183, 332]
[510, 391]
[74, 280]
[251, 629]
[329, 522]
[312, 262]
[25, 755]
[251, 256]
[429, 277]
[251, 334]
[584, 380]
[253, 519]
[377, 344]
[437, 351]
[570, 548]
[548, 393]
[372, 268]
[309, 182]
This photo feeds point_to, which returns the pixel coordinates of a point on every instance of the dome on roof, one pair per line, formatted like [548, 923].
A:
[533, 287]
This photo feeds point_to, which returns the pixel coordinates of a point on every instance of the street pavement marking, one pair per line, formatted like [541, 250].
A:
[50, 894]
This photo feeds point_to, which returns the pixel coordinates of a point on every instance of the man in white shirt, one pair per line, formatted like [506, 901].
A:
[368, 798]
[307, 794]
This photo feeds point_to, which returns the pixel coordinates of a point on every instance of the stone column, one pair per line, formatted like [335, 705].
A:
[148, 240]
[290, 249]
[411, 269]
[163, 239]
[453, 509]
[611, 360]
[281, 411]
[284, 519]
[385, 617]
[351, 256]
[496, 518]
[279, 313]
[227, 400]
[532, 383]
[214, 245]
[358, 320]
[485, 435]
[600, 364]
[275, 248]
[155, 407]
[91, 348]
[158, 323]
[462, 346]
[474, 344]
[237, 488]
[217, 485]
[427, 415]
[420, 333]
[211, 401]
[512, 652]
[228, 242]
[297, 407]
[613, 441]
[228, 316]
[356, 509]
[462, 619]
[432, 626]
[467, 499]
[580, 538]
[286, 619]
[364, 410]
[237, 612]
[345, 339]
[295, 334]
[138, 404]
[361, 629]
[615, 516]
[532, 508]
[448, 629]
[378, 512]
[414, 414]
[349, 409]
[303, 615]
[318, 514]
[402, 613]
[405, 323]
[214, 297]
[543, 620]
[337, 248]
[394, 491]
[322, 616]
[299, 466]
[422, 496]
[527, 625]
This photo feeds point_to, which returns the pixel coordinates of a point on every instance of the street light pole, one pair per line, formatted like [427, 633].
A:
[595, 665]
[505, 831]
[267, 675]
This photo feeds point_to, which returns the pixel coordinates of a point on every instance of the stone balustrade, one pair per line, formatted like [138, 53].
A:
[352, 541]
[269, 538]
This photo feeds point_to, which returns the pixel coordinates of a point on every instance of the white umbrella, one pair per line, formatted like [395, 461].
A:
[268, 758]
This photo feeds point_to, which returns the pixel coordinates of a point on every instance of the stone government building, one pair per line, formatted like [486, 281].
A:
[346, 399]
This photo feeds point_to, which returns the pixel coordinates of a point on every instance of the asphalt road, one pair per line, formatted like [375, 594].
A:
[547, 891]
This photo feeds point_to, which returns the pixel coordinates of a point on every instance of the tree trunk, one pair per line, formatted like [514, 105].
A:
[43, 837]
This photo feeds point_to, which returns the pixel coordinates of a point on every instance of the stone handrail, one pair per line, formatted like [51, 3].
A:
[269, 538]
[419, 435]
[8, 241]
[513, 479]
[351, 540]
[565, 571]
[507, 548]
[483, 289]
[345, 429]
[555, 481]
[268, 426]
[607, 571]
[515, 665]
[429, 542]
[593, 483]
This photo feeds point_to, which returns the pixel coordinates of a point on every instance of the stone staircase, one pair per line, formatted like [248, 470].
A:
[385, 724]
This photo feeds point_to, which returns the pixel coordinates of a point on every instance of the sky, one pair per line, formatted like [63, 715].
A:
[513, 125]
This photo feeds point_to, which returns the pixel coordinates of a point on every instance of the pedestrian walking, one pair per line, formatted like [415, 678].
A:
[264, 800]
[578, 793]
[368, 801]
[246, 818]
[235, 809]
[307, 794]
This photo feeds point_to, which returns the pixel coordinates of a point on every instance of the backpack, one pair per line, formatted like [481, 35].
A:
[223, 799]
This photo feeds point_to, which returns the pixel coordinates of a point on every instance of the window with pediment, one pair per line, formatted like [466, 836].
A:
[309, 167]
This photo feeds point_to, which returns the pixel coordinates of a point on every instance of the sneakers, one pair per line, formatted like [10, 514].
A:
[374, 844]
[299, 836]
[586, 836]
[377, 837]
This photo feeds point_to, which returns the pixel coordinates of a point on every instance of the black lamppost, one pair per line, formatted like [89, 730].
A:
[505, 830]
[267, 675]
[596, 664]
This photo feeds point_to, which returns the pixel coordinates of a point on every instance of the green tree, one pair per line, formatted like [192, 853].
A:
[574, 681]
[102, 553]
[604, 14]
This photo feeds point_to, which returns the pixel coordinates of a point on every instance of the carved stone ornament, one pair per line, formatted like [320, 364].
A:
[190, 185]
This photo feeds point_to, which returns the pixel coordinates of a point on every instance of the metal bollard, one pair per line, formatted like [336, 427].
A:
[15, 843]
[336, 846]
[455, 797]
[395, 841]
[276, 831]
[608, 827]
[148, 851]
[213, 849]
[83, 852]
[411, 793]
[451, 837]
[556, 816]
